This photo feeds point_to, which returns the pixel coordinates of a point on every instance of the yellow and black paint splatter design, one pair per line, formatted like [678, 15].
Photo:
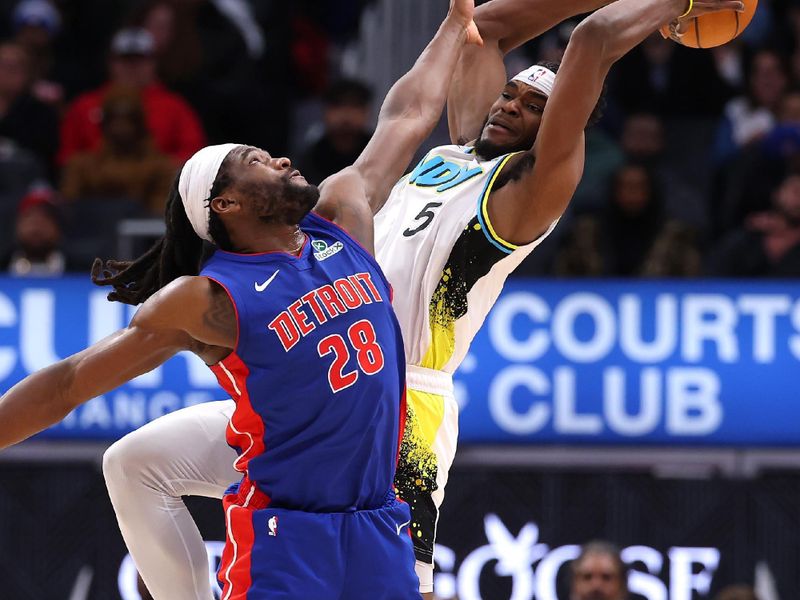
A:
[472, 257]
[417, 468]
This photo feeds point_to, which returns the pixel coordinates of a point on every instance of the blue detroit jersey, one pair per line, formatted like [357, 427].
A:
[318, 372]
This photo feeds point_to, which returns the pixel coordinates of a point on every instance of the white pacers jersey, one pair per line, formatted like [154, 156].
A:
[437, 247]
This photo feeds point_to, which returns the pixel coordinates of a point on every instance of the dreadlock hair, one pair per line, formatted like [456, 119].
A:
[180, 252]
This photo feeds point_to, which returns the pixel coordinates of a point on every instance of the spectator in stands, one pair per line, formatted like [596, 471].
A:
[599, 573]
[643, 142]
[603, 157]
[675, 252]
[760, 168]
[127, 165]
[736, 592]
[37, 250]
[176, 40]
[23, 118]
[632, 237]
[346, 121]
[214, 53]
[36, 24]
[310, 45]
[783, 142]
[642, 138]
[750, 117]
[769, 243]
[19, 170]
[173, 124]
[581, 253]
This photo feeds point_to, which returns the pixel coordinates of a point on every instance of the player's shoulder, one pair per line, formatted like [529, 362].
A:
[187, 286]
[343, 201]
[180, 302]
[339, 187]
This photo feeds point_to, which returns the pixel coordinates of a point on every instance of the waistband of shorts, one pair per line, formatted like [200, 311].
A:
[429, 380]
[247, 495]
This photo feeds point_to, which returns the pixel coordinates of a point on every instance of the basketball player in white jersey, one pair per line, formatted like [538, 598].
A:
[448, 236]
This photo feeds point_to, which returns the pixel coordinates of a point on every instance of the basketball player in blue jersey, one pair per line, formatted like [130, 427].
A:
[447, 237]
[293, 315]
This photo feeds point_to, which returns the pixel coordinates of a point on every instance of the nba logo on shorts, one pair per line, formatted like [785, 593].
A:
[273, 526]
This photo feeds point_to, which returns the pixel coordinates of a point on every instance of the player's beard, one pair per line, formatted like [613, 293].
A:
[486, 149]
[289, 203]
[298, 201]
[489, 151]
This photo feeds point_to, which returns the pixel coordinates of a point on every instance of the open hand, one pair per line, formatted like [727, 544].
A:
[463, 11]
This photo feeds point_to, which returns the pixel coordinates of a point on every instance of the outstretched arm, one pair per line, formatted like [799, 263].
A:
[413, 106]
[167, 323]
[409, 113]
[481, 74]
[543, 181]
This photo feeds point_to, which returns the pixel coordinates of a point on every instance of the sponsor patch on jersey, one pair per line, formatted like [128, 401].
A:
[323, 252]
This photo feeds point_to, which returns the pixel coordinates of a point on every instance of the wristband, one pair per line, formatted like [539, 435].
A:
[688, 10]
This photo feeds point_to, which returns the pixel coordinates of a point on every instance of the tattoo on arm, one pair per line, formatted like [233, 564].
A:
[515, 172]
[220, 316]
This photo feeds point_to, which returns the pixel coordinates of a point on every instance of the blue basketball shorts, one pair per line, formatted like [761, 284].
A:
[281, 554]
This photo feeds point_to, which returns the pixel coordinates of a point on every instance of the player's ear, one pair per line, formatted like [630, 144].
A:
[225, 204]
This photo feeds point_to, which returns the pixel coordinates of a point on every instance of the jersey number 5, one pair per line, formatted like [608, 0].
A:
[369, 354]
[427, 215]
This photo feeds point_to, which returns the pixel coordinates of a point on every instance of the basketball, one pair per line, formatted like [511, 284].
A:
[715, 29]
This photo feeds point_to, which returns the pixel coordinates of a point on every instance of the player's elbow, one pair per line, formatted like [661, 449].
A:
[592, 38]
[490, 24]
[64, 398]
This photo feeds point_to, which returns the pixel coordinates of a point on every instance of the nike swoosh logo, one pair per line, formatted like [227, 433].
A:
[260, 287]
[400, 527]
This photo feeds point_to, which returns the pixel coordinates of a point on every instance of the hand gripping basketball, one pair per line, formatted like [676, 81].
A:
[463, 11]
[709, 23]
[704, 7]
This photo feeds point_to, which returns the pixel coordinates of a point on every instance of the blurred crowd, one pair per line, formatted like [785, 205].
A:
[694, 169]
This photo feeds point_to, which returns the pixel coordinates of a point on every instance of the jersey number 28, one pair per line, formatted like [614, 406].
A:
[369, 354]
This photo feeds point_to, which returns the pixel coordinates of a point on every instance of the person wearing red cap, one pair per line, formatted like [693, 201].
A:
[37, 250]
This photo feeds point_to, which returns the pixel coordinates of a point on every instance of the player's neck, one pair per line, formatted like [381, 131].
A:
[259, 238]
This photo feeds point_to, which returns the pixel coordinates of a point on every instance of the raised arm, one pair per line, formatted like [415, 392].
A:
[189, 311]
[409, 113]
[543, 181]
[481, 74]
[413, 106]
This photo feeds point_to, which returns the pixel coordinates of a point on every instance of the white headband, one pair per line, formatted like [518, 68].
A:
[197, 179]
[538, 77]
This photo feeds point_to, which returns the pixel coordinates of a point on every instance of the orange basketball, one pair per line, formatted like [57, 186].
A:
[715, 29]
